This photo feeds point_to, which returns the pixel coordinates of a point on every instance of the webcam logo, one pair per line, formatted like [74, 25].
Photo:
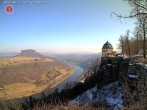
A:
[9, 9]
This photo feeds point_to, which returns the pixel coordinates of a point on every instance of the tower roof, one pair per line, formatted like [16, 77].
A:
[107, 45]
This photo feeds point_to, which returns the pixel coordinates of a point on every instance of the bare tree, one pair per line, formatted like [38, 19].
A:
[121, 45]
[139, 12]
[142, 24]
[124, 44]
[138, 39]
[128, 42]
[139, 8]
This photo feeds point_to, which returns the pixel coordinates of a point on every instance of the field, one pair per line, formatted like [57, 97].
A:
[4, 60]
[24, 76]
[19, 60]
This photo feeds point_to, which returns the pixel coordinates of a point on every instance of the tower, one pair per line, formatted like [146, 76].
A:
[107, 50]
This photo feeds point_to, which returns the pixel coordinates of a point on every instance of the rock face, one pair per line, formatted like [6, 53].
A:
[29, 53]
[109, 95]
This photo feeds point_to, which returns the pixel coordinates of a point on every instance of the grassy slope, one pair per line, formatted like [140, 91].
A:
[4, 60]
[25, 76]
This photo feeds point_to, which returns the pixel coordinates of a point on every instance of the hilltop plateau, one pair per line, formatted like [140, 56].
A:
[26, 74]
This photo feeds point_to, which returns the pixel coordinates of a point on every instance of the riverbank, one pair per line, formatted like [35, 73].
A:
[25, 76]
[62, 78]
[19, 90]
[71, 79]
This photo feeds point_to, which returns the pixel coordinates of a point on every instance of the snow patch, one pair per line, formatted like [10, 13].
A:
[110, 94]
[132, 76]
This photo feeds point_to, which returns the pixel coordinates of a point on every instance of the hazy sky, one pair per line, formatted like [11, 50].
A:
[62, 25]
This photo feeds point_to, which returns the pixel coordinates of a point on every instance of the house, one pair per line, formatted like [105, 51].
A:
[107, 51]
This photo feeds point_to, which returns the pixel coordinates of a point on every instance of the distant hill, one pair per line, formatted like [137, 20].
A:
[29, 53]
[83, 60]
[7, 54]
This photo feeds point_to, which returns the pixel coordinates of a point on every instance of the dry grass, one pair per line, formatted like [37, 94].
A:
[28, 75]
[10, 106]
[18, 90]
[66, 107]
[136, 99]
[143, 60]
[62, 77]
[2, 60]
[20, 60]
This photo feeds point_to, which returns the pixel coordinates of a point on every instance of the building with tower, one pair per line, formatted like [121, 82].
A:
[107, 51]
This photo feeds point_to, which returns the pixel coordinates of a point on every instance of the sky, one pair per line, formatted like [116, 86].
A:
[62, 26]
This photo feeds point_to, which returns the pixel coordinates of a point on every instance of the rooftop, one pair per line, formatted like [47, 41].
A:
[107, 45]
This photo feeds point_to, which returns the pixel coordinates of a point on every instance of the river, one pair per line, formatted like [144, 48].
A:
[70, 80]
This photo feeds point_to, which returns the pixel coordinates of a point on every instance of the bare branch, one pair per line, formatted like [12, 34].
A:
[130, 16]
[139, 4]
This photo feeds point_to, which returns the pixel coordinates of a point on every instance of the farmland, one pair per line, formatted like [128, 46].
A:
[4, 60]
[24, 76]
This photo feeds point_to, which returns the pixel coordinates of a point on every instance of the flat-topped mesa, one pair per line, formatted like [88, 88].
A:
[29, 53]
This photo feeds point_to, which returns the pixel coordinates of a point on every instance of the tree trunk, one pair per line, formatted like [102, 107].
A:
[137, 45]
[144, 43]
[129, 49]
